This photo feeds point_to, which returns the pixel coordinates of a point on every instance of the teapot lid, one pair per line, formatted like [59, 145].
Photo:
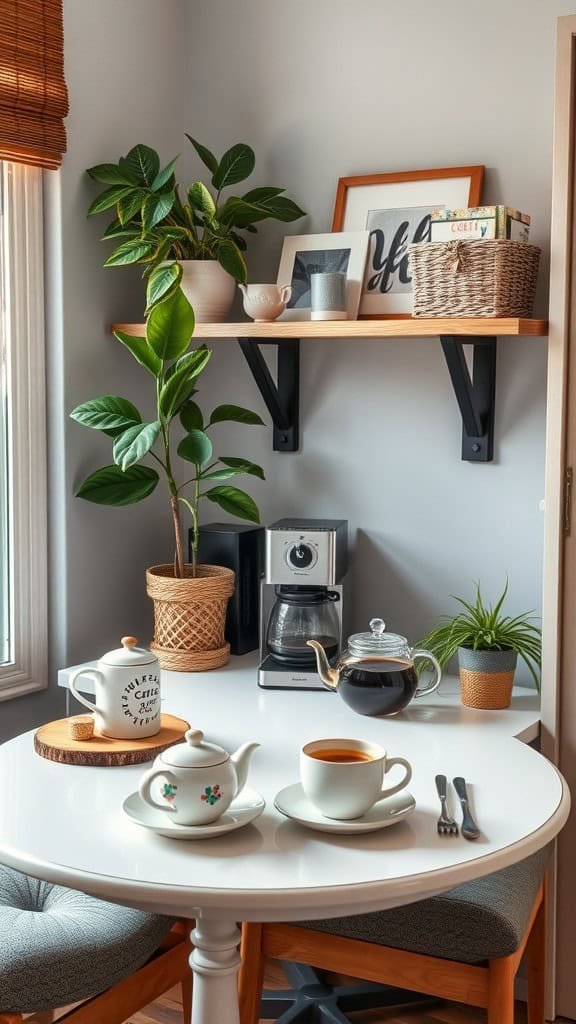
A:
[378, 642]
[129, 654]
[194, 752]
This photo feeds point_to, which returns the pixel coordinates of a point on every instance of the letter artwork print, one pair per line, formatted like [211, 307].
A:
[391, 232]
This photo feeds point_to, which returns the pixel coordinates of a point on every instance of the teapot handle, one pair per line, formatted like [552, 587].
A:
[422, 691]
[286, 293]
[144, 788]
[96, 674]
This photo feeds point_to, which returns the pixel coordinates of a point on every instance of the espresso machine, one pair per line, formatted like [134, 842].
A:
[301, 599]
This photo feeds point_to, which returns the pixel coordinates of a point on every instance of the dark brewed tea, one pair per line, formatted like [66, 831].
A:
[340, 755]
[378, 686]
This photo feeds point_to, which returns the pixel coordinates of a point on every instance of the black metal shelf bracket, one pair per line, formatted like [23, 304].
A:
[282, 399]
[476, 395]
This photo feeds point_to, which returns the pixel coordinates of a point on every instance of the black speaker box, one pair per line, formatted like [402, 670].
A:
[240, 548]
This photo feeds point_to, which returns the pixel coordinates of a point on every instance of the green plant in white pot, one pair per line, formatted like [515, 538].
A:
[190, 600]
[203, 232]
[487, 643]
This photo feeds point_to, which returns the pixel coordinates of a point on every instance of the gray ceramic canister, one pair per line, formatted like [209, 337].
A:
[328, 292]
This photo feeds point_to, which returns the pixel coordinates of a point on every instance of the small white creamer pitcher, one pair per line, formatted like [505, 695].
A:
[265, 302]
[127, 705]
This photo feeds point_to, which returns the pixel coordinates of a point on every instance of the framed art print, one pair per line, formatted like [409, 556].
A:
[304, 255]
[396, 209]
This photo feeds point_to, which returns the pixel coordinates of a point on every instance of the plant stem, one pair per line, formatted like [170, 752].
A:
[179, 560]
[193, 509]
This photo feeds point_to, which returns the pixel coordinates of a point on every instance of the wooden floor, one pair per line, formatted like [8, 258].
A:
[168, 1010]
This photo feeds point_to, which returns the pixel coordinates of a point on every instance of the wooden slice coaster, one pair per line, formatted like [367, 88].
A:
[54, 742]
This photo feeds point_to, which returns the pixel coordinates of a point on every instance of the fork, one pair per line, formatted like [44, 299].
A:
[446, 825]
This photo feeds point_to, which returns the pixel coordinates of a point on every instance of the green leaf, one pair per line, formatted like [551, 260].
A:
[283, 209]
[130, 205]
[196, 447]
[207, 158]
[110, 174]
[141, 351]
[234, 501]
[232, 260]
[156, 208]
[179, 387]
[163, 176]
[235, 467]
[235, 414]
[132, 251]
[161, 281]
[111, 486]
[117, 230]
[200, 199]
[144, 163]
[170, 326]
[107, 199]
[135, 443]
[106, 413]
[236, 165]
[257, 195]
[243, 466]
[191, 416]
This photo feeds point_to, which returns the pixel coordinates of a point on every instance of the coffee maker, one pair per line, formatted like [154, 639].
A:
[301, 599]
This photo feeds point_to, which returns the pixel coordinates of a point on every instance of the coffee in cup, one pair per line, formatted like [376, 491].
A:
[344, 778]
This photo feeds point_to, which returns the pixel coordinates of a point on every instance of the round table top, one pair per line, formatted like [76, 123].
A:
[66, 824]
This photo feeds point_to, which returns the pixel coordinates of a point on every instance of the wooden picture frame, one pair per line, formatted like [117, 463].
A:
[361, 204]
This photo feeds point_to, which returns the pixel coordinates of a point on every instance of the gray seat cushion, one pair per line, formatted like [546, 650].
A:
[478, 921]
[60, 946]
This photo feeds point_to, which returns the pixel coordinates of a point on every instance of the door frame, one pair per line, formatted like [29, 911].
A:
[562, 302]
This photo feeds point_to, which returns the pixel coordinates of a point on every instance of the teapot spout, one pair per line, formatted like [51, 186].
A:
[243, 289]
[241, 760]
[328, 675]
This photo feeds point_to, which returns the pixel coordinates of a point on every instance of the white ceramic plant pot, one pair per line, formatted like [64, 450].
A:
[209, 290]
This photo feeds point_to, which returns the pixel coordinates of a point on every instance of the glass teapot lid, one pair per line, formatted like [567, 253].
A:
[378, 643]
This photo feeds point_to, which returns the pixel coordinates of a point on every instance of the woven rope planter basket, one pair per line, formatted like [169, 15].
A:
[189, 616]
[486, 678]
[495, 277]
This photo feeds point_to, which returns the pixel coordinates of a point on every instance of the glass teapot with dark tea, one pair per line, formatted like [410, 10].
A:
[375, 674]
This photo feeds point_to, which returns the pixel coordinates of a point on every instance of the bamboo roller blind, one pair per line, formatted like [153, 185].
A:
[33, 94]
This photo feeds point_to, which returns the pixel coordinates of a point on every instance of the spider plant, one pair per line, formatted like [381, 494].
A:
[484, 627]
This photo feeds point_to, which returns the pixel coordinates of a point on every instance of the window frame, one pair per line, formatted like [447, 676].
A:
[22, 245]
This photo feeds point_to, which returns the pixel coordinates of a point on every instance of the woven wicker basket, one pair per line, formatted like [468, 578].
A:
[486, 678]
[189, 616]
[495, 277]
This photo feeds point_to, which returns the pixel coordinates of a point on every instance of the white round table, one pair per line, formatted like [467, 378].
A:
[66, 825]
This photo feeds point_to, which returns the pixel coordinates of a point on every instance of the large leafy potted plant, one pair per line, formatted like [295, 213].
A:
[190, 600]
[487, 643]
[203, 232]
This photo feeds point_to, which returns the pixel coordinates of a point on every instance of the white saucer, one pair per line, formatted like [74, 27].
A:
[247, 806]
[293, 802]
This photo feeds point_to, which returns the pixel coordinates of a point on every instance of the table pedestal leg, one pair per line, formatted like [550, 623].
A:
[215, 961]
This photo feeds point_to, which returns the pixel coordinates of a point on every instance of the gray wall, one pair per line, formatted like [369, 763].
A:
[334, 88]
[124, 68]
[320, 90]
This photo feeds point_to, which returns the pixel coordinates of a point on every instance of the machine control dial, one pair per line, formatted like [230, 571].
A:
[301, 556]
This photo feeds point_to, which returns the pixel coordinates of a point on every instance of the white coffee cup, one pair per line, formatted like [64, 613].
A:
[347, 788]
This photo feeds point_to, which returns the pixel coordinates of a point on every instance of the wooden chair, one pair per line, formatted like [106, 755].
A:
[101, 961]
[488, 984]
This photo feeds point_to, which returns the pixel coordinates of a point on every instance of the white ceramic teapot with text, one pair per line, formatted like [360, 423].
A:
[127, 705]
[265, 302]
[199, 779]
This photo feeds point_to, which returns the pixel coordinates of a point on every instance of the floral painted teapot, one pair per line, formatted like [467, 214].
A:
[200, 780]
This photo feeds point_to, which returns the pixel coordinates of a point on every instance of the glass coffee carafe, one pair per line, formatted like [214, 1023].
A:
[298, 614]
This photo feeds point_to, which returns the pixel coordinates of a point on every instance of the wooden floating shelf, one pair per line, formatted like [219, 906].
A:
[475, 393]
[407, 327]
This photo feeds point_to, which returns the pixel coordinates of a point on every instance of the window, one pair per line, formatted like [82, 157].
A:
[23, 508]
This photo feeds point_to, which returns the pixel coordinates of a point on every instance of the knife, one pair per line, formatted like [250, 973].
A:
[470, 829]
